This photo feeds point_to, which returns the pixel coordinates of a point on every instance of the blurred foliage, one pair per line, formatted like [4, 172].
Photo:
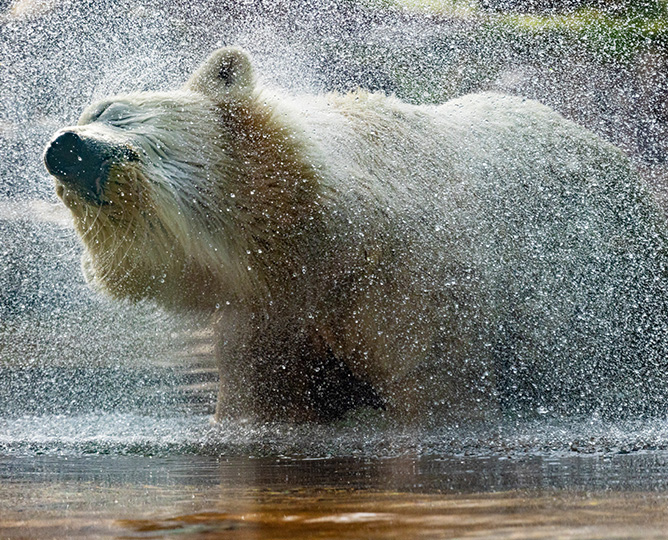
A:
[619, 8]
[610, 35]
[612, 29]
[601, 63]
[623, 8]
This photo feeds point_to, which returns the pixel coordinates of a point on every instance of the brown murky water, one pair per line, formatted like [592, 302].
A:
[408, 497]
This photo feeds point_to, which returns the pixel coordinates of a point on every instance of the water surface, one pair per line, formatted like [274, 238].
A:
[135, 496]
[130, 475]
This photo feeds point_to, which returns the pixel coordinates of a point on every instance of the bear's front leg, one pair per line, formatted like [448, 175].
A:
[273, 367]
[265, 364]
[232, 358]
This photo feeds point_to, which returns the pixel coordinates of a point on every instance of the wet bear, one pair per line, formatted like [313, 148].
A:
[443, 263]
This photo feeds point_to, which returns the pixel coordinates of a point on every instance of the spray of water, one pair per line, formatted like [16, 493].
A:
[70, 358]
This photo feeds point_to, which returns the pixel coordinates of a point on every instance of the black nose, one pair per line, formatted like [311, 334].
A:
[77, 162]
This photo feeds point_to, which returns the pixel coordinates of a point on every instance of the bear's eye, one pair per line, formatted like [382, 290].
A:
[116, 112]
[94, 115]
[111, 112]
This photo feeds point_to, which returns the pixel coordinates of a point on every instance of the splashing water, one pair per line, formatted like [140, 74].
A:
[80, 374]
[105, 406]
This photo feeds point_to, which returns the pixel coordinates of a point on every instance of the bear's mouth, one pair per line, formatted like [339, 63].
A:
[81, 165]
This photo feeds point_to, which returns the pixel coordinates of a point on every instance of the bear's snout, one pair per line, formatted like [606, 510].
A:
[77, 162]
[82, 163]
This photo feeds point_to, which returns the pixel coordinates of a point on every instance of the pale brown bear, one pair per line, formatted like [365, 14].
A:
[442, 263]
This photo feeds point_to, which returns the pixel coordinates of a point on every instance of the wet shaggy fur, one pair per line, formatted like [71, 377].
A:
[443, 262]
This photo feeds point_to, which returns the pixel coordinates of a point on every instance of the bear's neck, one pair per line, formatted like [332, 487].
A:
[277, 214]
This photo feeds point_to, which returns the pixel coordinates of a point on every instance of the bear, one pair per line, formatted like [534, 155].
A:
[459, 262]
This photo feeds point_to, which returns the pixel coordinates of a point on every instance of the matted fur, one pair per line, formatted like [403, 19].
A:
[438, 261]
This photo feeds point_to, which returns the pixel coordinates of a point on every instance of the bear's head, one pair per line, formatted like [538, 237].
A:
[160, 184]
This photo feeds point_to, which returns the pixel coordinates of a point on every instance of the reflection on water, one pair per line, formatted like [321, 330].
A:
[601, 496]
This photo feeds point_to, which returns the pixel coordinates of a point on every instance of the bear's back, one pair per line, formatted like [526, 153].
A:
[501, 203]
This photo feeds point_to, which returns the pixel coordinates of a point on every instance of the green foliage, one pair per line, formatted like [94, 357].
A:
[611, 36]
[613, 30]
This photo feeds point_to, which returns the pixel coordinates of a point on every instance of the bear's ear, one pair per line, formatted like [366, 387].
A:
[226, 73]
